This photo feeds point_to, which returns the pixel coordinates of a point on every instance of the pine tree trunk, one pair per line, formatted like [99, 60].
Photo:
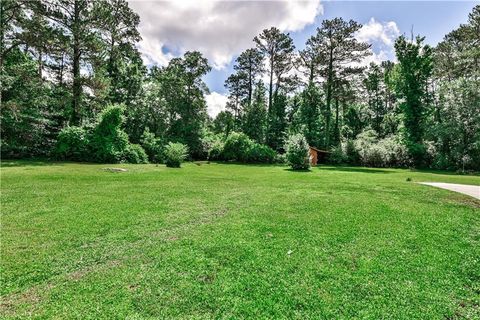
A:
[337, 129]
[270, 89]
[77, 85]
[62, 69]
[329, 98]
[40, 65]
[312, 75]
[250, 85]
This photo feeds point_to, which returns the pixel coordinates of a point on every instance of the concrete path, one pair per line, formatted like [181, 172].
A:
[473, 191]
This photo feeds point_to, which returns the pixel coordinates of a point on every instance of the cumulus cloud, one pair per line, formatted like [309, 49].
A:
[376, 58]
[218, 29]
[375, 31]
[215, 103]
[382, 36]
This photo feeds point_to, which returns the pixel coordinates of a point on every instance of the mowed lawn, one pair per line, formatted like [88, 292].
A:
[236, 241]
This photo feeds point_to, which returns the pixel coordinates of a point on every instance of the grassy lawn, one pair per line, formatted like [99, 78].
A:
[236, 241]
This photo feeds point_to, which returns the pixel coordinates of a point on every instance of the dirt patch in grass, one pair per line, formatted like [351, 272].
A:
[81, 273]
[465, 201]
[31, 297]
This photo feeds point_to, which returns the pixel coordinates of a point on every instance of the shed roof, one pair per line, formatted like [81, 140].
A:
[318, 150]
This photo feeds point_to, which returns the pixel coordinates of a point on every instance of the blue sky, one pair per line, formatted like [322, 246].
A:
[222, 29]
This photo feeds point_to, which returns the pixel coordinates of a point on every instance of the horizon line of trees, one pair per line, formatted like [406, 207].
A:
[421, 111]
[64, 61]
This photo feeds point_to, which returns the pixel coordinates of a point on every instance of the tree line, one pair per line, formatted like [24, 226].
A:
[64, 62]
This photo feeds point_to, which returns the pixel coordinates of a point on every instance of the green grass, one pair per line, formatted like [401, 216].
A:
[236, 241]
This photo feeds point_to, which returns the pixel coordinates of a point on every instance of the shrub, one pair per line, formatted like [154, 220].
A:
[297, 152]
[351, 153]
[72, 144]
[108, 140]
[442, 161]
[388, 152]
[396, 152]
[337, 156]
[364, 141]
[260, 153]
[215, 151]
[175, 154]
[371, 153]
[239, 147]
[374, 156]
[418, 153]
[152, 145]
[211, 143]
[280, 158]
[134, 153]
[236, 147]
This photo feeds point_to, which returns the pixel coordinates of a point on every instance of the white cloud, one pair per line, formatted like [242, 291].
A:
[215, 103]
[382, 36]
[376, 58]
[375, 31]
[218, 29]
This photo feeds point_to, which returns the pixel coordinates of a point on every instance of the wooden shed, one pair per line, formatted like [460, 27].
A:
[317, 156]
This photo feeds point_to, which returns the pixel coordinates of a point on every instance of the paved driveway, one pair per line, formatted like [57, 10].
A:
[473, 191]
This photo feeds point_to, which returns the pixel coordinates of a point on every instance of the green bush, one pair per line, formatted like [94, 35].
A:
[418, 153]
[106, 142]
[134, 153]
[236, 147]
[109, 141]
[351, 153]
[72, 144]
[212, 145]
[337, 156]
[239, 147]
[280, 158]
[215, 151]
[443, 161]
[153, 146]
[259, 153]
[297, 152]
[396, 152]
[209, 142]
[370, 153]
[374, 156]
[175, 154]
[387, 152]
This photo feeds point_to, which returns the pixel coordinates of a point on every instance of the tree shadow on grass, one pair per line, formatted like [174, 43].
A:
[446, 172]
[28, 163]
[249, 164]
[355, 169]
[302, 170]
